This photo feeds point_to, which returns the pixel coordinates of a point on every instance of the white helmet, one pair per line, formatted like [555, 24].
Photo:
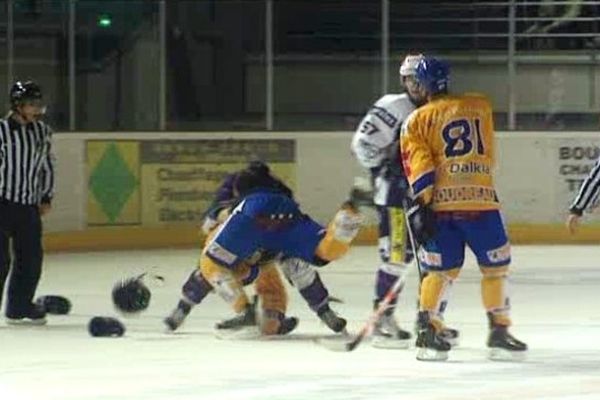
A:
[409, 65]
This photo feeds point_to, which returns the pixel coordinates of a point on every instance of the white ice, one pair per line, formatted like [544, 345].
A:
[555, 292]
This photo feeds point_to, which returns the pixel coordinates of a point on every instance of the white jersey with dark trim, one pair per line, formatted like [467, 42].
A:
[375, 140]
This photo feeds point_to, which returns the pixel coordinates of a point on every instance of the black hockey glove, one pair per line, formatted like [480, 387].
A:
[422, 222]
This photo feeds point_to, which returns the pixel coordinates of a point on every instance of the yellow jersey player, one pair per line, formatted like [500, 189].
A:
[447, 150]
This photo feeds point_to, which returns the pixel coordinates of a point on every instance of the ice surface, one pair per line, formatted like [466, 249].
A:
[555, 292]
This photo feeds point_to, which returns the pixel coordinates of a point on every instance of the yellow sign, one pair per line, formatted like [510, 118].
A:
[171, 181]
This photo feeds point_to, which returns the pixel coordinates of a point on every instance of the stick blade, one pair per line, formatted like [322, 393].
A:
[341, 344]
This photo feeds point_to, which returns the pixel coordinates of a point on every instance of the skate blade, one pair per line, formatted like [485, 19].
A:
[499, 354]
[248, 333]
[338, 343]
[379, 342]
[26, 322]
[425, 354]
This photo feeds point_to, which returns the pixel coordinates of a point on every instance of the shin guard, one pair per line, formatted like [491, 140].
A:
[273, 297]
[225, 283]
[494, 293]
[196, 288]
[432, 290]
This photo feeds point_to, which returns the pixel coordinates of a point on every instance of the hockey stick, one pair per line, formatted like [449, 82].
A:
[334, 344]
[346, 346]
[415, 250]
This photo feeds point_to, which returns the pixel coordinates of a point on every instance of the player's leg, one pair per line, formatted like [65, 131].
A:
[395, 253]
[194, 290]
[235, 241]
[273, 300]
[441, 258]
[306, 279]
[488, 240]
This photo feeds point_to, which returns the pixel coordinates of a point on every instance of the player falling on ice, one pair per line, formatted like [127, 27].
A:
[448, 153]
[275, 249]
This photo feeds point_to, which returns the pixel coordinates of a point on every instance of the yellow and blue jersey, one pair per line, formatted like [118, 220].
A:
[447, 150]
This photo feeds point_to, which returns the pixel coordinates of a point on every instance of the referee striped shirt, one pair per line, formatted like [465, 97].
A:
[588, 192]
[26, 162]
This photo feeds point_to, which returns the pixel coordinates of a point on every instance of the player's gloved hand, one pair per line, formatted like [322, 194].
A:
[422, 221]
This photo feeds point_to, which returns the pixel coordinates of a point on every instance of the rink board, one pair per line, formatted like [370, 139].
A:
[537, 176]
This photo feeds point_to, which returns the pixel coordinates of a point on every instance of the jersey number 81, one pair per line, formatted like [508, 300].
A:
[458, 136]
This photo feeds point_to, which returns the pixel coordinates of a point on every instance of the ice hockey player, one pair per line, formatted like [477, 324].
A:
[375, 146]
[292, 251]
[448, 152]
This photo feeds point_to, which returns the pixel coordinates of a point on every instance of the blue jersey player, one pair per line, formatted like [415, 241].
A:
[267, 220]
[297, 271]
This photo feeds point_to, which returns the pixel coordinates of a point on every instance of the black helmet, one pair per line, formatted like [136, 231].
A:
[259, 167]
[24, 91]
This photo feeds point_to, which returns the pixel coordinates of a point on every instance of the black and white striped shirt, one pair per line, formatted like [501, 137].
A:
[588, 192]
[26, 162]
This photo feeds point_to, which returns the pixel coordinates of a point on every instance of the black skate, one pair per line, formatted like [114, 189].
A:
[332, 320]
[504, 346]
[32, 315]
[450, 335]
[388, 335]
[179, 314]
[246, 319]
[430, 345]
[287, 325]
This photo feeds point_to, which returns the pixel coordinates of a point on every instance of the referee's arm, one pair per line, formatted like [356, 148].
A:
[47, 174]
[587, 195]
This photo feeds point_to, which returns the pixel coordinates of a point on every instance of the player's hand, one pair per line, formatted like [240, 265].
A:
[44, 208]
[422, 222]
[573, 223]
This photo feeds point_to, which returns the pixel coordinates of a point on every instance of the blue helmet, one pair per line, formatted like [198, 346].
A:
[433, 74]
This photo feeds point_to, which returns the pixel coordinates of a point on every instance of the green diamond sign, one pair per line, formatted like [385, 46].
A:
[113, 183]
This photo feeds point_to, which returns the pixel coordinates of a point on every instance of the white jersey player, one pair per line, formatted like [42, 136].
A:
[375, 146]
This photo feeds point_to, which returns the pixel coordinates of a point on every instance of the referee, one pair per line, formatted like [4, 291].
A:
[26, 188]
[586, 198]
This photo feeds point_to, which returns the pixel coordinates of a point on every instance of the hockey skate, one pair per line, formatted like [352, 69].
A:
[332, 320]
[33, 315]
[246, 318]
[430, 345]
[288, 324]
[502, 345]
[174, 320]
[450, 335]
[388, 335]
[242, 326]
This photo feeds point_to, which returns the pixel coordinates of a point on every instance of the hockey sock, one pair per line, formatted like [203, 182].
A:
[223, 280]
[386, 277]
[444, 301]
[196, 288]
[306, 279]
[433, 287]
[316, 294]
[494, 293]
[270, 289]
